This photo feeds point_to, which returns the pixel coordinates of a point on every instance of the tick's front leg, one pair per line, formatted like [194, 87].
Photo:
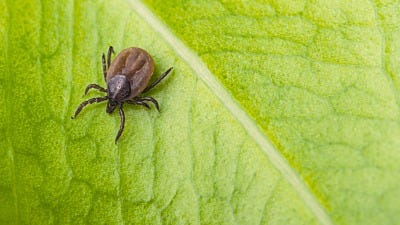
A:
[110, 51]
[103, 60]
[85, 103]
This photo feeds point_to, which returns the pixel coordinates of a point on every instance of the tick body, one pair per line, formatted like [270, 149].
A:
[127, 77]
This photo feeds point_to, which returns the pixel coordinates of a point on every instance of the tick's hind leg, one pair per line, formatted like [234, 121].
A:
[150, 99]
[85, 103]
[133, 102]
[94, 86]
[148, 88]
[122, 125]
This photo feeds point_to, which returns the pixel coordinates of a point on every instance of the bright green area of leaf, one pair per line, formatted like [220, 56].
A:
[192, 163]
[322, 80]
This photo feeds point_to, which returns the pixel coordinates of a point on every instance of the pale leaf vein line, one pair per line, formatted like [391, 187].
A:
[235, 109]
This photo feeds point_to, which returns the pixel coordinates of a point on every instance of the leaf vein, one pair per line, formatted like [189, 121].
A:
[235, 109]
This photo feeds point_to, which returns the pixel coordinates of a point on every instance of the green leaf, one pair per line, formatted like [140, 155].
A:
[317, 79]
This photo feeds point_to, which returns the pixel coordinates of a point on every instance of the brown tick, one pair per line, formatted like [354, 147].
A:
[126, 77]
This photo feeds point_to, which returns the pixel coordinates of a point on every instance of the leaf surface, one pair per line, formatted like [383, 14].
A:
[317, 79]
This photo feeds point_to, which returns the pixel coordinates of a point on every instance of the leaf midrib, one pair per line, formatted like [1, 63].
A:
[274, 156]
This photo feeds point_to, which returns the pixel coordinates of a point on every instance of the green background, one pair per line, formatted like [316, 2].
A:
[319, 78]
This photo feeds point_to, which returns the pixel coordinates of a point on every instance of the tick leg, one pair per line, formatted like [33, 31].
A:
[110, 51]
[85, 103]
[148, 88]
[122, 125]
[103, 60]
[151, 99]
[94, 86]
[138, 103]
[143, 104]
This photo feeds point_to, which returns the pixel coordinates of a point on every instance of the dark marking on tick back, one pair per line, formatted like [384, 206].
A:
[127, 77]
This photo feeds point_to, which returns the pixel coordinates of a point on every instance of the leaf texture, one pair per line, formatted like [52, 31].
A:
[319, 78]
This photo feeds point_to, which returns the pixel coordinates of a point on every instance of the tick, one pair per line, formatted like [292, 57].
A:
[127, 77]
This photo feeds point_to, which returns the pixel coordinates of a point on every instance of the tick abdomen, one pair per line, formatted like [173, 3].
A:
[138, 67]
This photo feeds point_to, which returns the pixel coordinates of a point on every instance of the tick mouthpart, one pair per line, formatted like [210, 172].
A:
[111, 105]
